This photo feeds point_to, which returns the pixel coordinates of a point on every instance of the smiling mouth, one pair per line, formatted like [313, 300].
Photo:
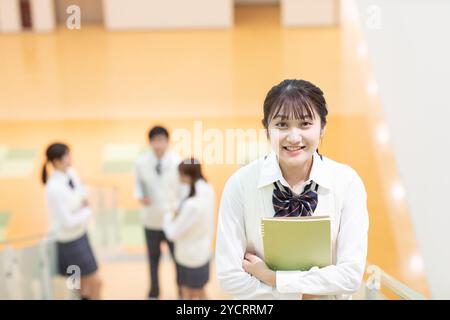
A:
[297, 148]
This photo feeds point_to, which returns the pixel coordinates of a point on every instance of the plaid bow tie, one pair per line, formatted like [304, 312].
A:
[286, 204]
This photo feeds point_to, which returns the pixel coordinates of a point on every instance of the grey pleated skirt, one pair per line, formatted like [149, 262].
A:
[76, 253]
[194, 278]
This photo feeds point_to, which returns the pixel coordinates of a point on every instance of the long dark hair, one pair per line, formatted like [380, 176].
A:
[192, 168]
[55, 151]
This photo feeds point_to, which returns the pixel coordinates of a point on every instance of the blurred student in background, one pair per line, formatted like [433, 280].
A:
[158, 190]
[191, 228]
[69, 216]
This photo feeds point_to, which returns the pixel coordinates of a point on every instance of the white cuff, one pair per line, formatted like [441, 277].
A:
[288, 281]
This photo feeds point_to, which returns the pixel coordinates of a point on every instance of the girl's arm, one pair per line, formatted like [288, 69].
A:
[231, 246]
[346, 276]
[188, 216]
[60, 210]
[140, 191]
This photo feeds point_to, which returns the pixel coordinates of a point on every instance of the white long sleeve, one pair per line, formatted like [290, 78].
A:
[139, 192]
[66, 218]
[192, 229]
[231, 247]
[188, 216]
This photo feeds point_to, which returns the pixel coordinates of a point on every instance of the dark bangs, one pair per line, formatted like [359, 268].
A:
[295, 99]
[292, 105]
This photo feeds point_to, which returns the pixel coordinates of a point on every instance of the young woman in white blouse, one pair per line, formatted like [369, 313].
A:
[292, 180]
[69, 216]
[191, 230]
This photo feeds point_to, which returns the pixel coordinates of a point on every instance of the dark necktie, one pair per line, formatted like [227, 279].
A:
[71, 185]
[158, 168]
[287, 204]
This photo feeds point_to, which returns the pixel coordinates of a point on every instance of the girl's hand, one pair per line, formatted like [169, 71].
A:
[257, 267]
[145, 201]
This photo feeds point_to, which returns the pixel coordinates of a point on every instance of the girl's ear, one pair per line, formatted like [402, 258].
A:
[322, 132]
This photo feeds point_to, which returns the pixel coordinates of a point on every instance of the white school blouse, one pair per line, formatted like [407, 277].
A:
[193, 228]
[163, 190]
[68, 217]
[247, 197]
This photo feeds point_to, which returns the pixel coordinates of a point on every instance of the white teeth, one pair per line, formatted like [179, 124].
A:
[293, 148]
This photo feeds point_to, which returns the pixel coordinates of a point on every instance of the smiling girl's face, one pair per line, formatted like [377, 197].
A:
[295, 138]
[295, 115]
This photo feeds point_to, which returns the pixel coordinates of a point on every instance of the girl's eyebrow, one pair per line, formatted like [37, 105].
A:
[284, 117]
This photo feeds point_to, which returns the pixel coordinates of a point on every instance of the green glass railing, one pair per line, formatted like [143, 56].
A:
[113, 228]
[29, 272]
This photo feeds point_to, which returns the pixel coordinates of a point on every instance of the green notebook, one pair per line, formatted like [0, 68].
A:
[298, 243]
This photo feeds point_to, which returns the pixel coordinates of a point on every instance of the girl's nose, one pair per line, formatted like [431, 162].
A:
[294, 136]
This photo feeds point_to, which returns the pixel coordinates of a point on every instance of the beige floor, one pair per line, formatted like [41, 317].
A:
[120, 283]
[93, 87]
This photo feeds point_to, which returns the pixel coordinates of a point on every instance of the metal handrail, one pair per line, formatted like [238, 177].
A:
[38, 236]
[378, 279]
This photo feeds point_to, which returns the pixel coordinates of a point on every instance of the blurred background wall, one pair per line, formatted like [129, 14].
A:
[410, 62]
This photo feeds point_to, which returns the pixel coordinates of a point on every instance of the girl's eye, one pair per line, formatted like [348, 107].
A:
[281, 125]
[306, 123]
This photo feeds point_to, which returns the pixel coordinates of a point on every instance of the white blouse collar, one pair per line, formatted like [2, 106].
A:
[270, 171]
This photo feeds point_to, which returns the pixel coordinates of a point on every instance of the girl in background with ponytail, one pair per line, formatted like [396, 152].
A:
[191, 230]
[69, 216]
